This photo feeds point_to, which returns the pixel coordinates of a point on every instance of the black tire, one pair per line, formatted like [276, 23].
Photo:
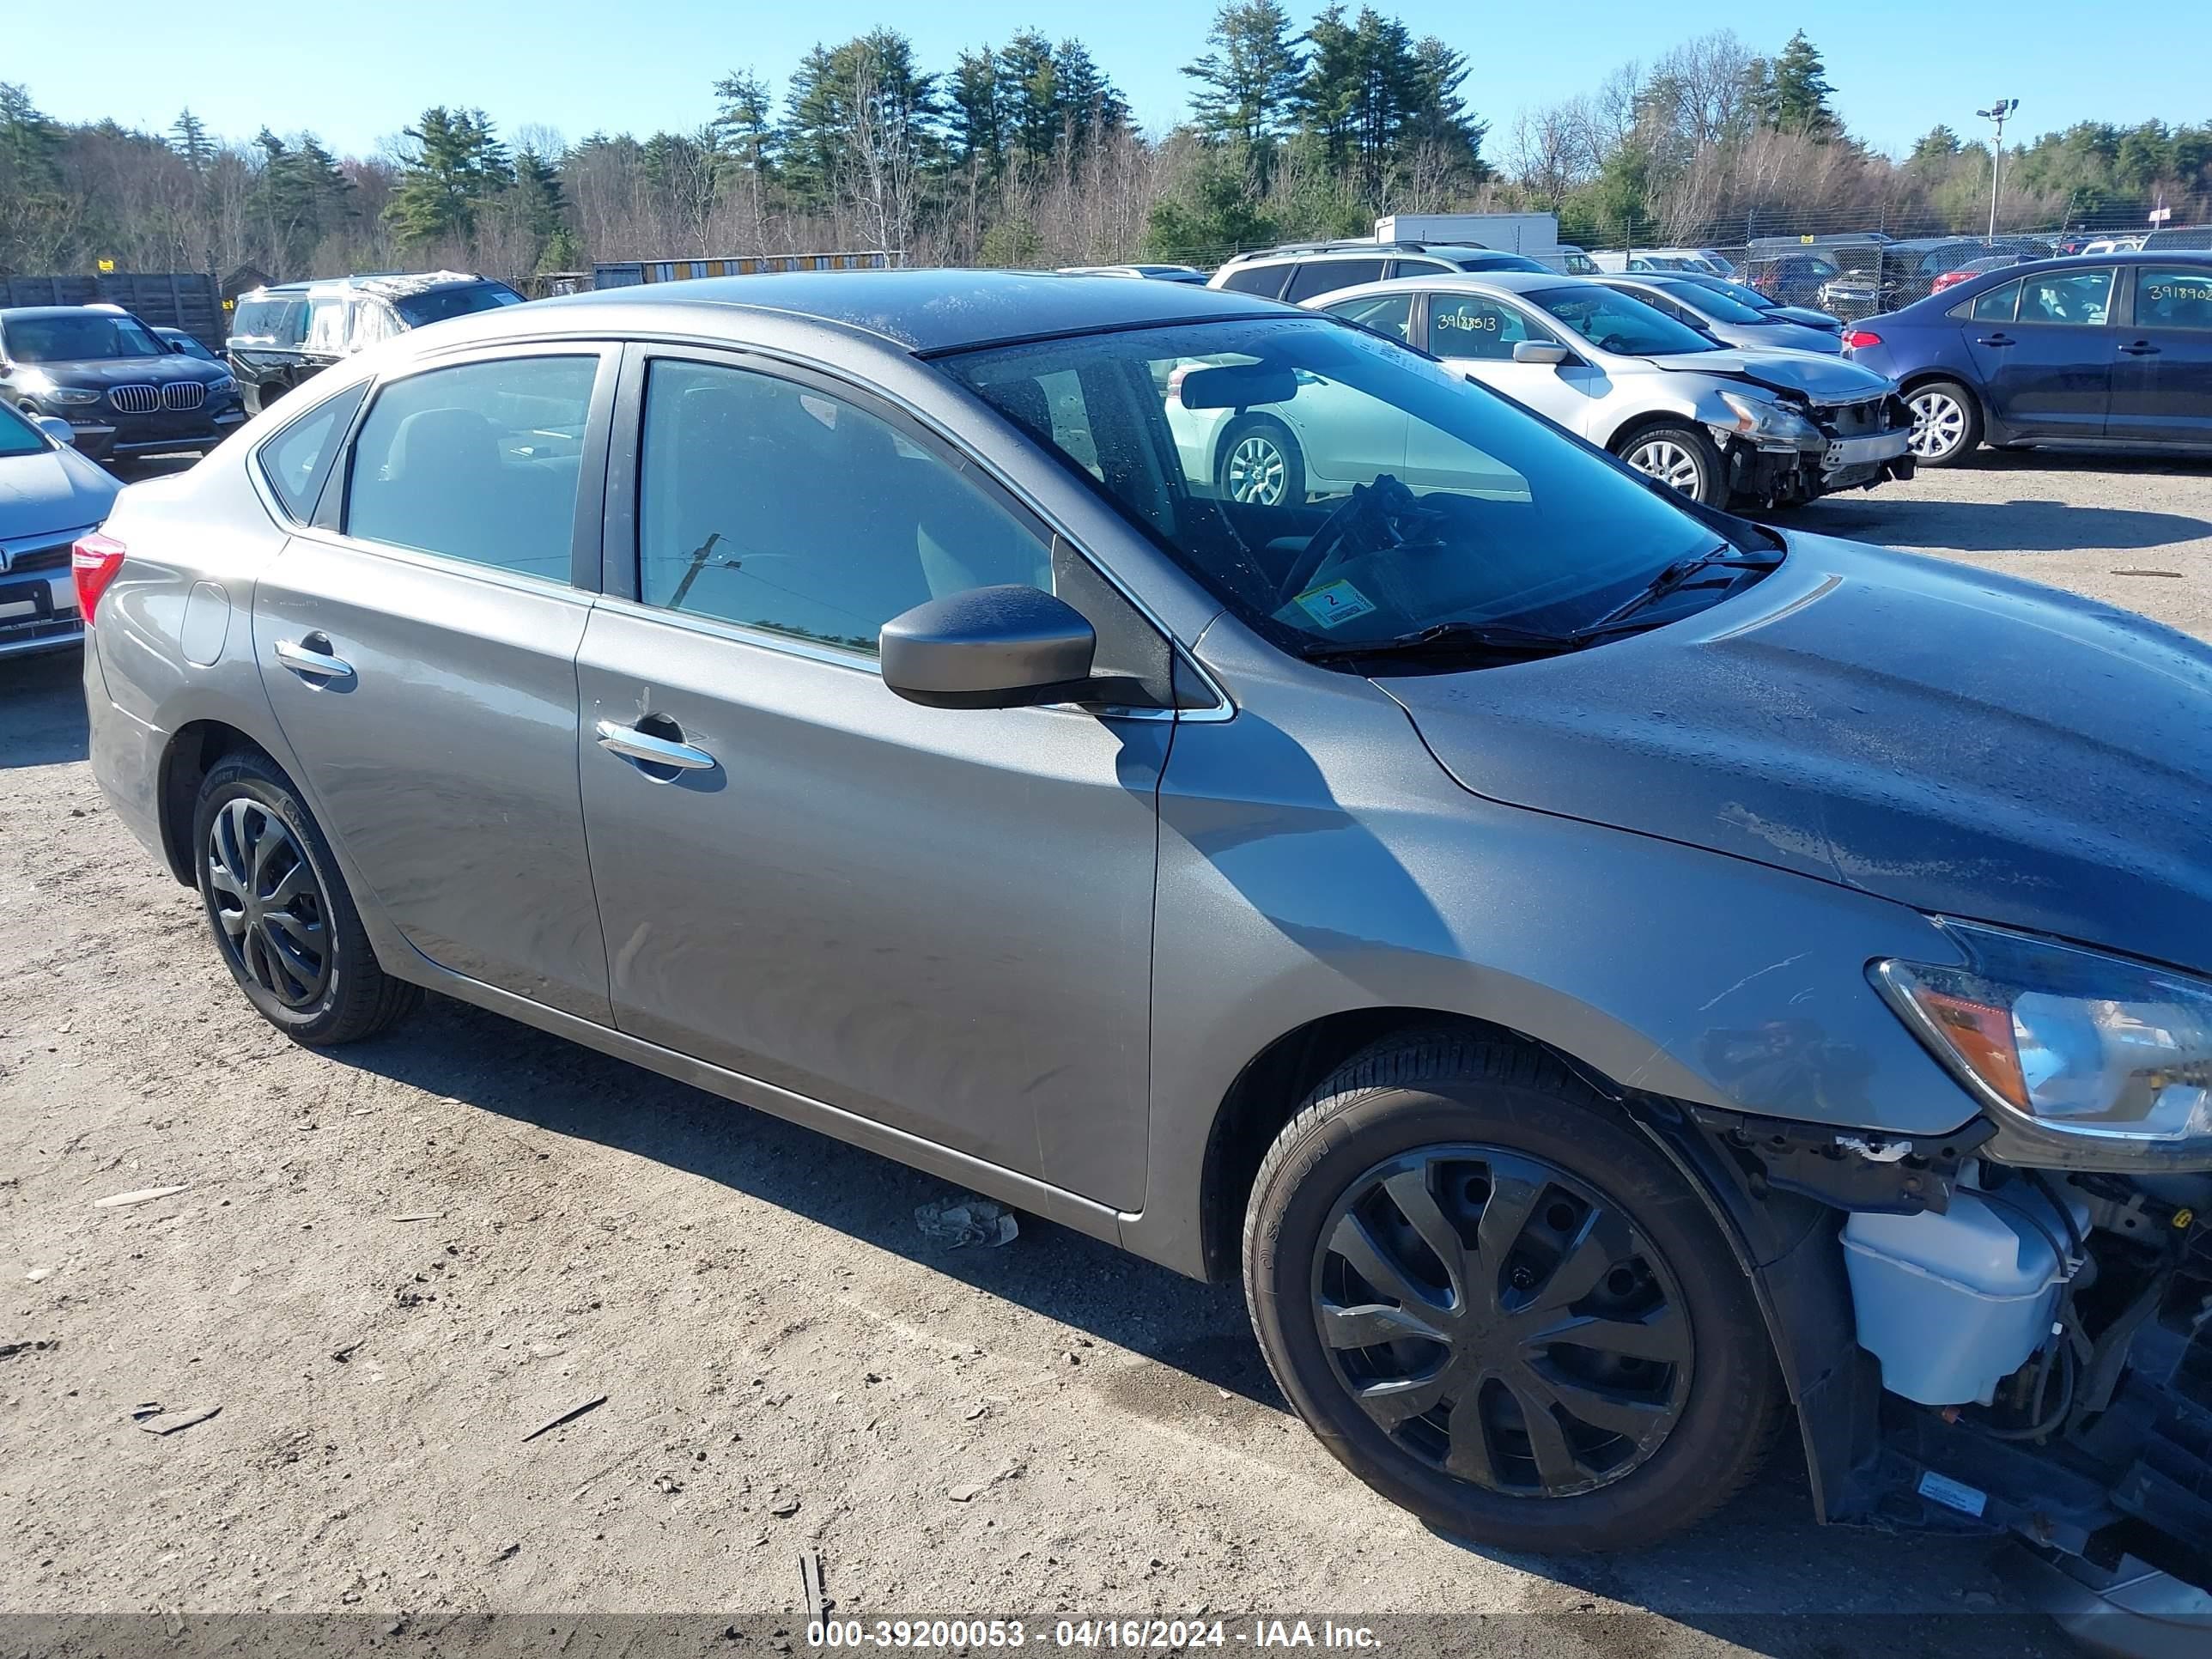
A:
[1946, 423]
[1451, 1107]
[1285, 486]
[303, 961]
[1680, 456]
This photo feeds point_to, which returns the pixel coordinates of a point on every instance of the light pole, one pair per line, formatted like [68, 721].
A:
[1999, 109]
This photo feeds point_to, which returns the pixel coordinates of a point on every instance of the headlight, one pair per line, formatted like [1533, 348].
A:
[2069, 1043]
[217, 387]
[1758, 417]
[39, 383]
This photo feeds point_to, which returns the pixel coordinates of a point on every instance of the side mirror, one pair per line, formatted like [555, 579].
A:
[55, 427]
[1007, 646]
[1540, 351]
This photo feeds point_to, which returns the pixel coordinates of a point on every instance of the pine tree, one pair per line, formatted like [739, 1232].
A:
[537, 193]
[1796, 92]
[1028, 94]
[188, 138]
[458, 165]
[1250, 80]
[744, 120]
[1090, 106]
[30, 146]
[824, 110]
[972, 110]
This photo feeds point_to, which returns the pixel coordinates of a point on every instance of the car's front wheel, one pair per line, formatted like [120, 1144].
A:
[1946, 423]
[282, 917]
[1496, 1304]
[1681, 457]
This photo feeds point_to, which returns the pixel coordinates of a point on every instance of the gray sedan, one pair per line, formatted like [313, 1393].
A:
[1512, 915]
[1727, 320]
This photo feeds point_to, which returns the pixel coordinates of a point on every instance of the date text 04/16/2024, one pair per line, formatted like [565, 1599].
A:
[1169, 1635]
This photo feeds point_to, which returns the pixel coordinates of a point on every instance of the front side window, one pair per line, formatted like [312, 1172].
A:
[1386, 313]
[1470, 326]
[79, 337]
[1409, 498]
[1620, 323]
[2081, 299]
[775, 506]
[1326, 276]
[2173, 296]
[477, 461]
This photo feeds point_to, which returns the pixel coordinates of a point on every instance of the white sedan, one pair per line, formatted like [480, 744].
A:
[50, 495]
[1717, 423]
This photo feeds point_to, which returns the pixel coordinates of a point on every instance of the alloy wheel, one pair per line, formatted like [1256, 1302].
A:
[1500, 1319]
[1257, 471]
[1939, 425]
[1669, 461]
[267, 902]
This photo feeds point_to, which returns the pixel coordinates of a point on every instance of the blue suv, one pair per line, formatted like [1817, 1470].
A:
[2114, 352]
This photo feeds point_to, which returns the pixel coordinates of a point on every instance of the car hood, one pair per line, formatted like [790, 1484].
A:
[1808, 317]
[1818, 379]
[133, 371]
[53, 490]
[1944, 737]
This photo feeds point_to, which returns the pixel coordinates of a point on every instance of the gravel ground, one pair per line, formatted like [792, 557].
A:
[388, 1265]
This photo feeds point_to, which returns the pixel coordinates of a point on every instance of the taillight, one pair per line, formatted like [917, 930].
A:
[94, 561]
[1859, 338]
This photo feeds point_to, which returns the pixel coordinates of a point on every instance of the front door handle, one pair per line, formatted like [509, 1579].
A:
[1996, 340]
[633, 744]
[311, 659]
[2141, 349]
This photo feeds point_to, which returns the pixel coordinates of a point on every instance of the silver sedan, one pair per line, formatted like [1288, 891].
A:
[1727, 320]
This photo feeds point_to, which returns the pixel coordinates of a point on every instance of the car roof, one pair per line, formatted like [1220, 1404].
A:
[388, 285]
[923, 311]
[1943, 299]
[14, 311]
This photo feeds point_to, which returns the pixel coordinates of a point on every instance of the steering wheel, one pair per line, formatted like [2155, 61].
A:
[1385, 500]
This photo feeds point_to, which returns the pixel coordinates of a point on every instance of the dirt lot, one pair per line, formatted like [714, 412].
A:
[387, 1266]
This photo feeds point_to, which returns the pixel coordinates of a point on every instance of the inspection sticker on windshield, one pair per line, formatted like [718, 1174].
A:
[1334, 604]
[1952, 1494]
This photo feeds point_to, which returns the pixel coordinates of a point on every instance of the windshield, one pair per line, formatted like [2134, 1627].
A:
[17, 436]
[435, 305]
[85, 337]
[1714, 303]
[1334, 489]
[1619, 323]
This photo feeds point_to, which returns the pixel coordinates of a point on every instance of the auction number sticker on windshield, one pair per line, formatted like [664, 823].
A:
[1334, 604]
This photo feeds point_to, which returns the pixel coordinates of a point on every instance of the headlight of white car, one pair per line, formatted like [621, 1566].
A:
[1762, 418]
[2071, 1043]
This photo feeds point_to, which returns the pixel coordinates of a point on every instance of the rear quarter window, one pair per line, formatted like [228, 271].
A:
[1265, 280]
[297, 460]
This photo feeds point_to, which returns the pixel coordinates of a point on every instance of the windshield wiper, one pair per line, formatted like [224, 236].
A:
[1668, 579]
[1443, 638]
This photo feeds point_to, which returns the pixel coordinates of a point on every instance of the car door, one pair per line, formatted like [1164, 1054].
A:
[937, 919]
[2049, 368]
[418, 639]
[1475, 334]
[2162, 361]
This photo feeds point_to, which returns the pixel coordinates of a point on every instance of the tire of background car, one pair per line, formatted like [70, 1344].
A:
[1680, 456]
[1946, 423]
[282, 921]
[1463, 1231]
[1260, 462]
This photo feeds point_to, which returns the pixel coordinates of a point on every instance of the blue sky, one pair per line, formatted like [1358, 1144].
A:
[1898, 65]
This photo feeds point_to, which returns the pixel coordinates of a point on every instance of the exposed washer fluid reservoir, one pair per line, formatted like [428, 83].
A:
[1952, 1304]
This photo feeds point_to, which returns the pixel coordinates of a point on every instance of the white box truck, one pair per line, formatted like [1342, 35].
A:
[1514, 233]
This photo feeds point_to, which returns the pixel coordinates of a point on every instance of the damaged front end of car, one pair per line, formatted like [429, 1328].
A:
[1783, 449]
[2006, 1329]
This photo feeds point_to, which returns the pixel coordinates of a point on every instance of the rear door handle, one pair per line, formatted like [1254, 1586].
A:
[311, 659]
[633, 744]
[2141, 349]
[1996, 340]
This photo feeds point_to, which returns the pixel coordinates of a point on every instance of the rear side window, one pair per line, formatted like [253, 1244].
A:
[2173, 296]
[1997, 305]
[477, 461]
[1468, 325]
[327, 324]
[1267, 281]
[1326, 276]
[1386, 313]
[298, 458]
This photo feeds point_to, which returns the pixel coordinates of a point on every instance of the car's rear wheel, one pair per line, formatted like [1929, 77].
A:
[1497, 1304]
[1946, 423]
[1260, 465]
[1682, 458]
[282, 917]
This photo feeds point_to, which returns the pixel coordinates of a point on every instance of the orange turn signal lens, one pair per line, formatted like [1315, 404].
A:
[1982, 1035]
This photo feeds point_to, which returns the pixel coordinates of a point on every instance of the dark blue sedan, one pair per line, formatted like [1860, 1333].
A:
[2113, 351]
